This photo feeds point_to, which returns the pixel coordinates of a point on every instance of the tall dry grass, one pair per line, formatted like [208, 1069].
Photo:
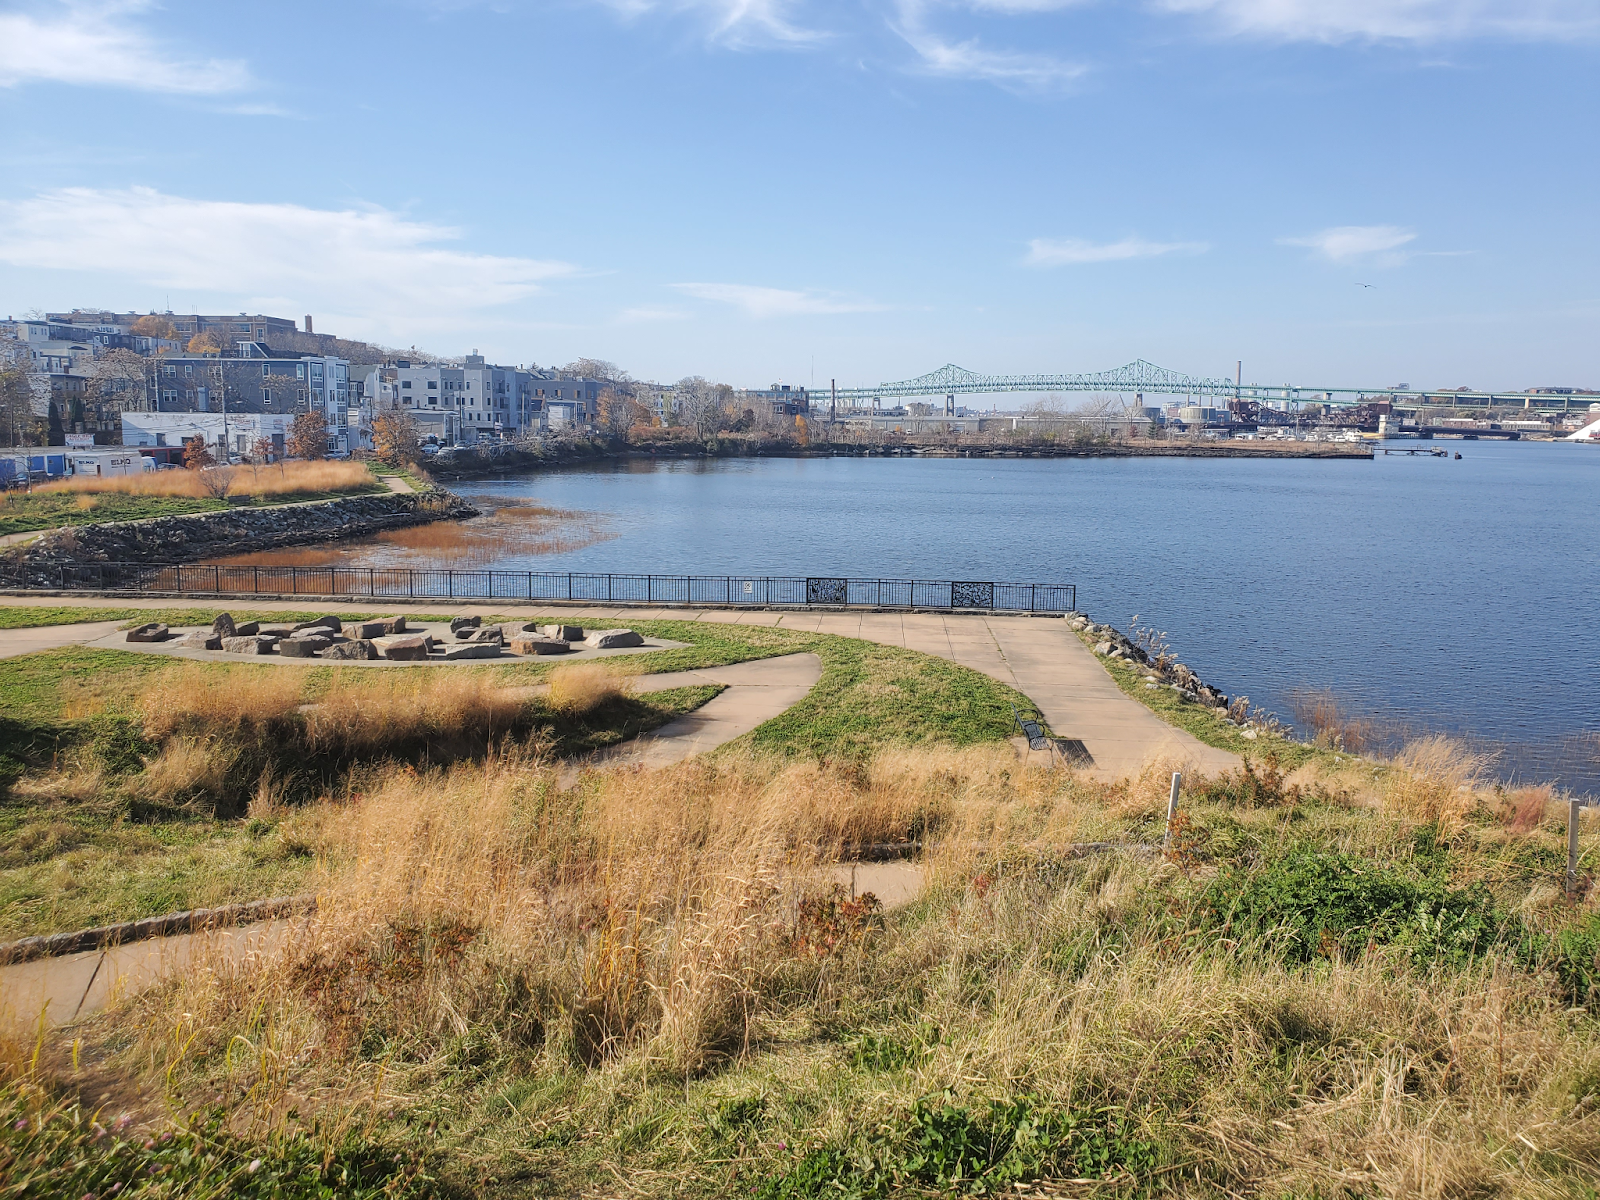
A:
[577, 689]
[259, 481]
[648, 929]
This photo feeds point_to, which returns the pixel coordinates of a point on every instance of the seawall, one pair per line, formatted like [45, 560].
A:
[233, 531]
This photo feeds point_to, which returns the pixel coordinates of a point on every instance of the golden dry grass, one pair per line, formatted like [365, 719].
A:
[259, 481]
[640, 929]
[578, 689]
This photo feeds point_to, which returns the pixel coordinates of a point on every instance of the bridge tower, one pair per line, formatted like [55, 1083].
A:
[950, 405]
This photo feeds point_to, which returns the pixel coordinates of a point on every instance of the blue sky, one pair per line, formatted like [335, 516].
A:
[1340, 192]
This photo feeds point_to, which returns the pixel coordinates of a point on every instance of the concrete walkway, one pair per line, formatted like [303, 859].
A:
[1039, 656]
[47, 637]
[755, 692]
[74, 986]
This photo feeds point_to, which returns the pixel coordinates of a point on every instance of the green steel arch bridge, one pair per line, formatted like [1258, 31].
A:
[1140, 378]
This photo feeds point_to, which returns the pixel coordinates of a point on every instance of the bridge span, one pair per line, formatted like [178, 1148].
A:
[1140, 378]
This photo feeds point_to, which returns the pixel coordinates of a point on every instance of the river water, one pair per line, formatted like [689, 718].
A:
[1431, 593]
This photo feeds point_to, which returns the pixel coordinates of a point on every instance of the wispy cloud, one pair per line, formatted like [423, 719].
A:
[738, 24]
[1065, 252]
[969, 59]
[98, 45]
[369, 265]
[1376, 244]
[760, 302]
[1397, 20]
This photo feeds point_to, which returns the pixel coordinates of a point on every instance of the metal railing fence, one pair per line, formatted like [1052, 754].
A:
[395, 583]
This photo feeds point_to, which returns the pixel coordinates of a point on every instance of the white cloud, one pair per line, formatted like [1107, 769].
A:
[1397, 20]
[735, 23]
[775, 302]
[1062, 252]
[370, 266]
[95, 45]
[1357, 243]
[968, 59]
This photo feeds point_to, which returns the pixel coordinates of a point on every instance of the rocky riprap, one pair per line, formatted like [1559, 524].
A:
[1113, 644]
[214, 534]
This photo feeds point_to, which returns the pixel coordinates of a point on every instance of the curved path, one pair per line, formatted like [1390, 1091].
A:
[1039, 656]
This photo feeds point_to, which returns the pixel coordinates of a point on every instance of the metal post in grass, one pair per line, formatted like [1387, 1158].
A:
[1172, 808]
[1572, 848]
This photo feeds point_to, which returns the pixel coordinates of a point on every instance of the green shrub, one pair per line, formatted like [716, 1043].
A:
[958, 1149]
[55, 1149]
[1312, 903]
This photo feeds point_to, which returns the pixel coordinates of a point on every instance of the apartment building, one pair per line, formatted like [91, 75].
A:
[476, 401]
[258, 379]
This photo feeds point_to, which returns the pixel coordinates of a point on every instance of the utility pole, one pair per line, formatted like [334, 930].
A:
[833, 402]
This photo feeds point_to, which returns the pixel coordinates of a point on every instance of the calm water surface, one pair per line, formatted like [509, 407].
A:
[1450, 595]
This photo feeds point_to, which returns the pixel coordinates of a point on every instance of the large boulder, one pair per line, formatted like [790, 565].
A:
[462, 627]
[223, 626]
[566, 633]
[512, 628]
[275, 631]
[246, 628]
[472, 650]
[330, 622]
[248, 645]
[302, 647]
[489, 633]
[532, 643]
[198, 639]
[393, 625]
[369, 629]
[612, 639]
[404, 648]
[155, 631]
[357, 651]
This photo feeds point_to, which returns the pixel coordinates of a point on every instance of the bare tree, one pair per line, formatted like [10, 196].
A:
[620, 412]
[596, 368]
[119, 382]
[19, 426]
[698, 404]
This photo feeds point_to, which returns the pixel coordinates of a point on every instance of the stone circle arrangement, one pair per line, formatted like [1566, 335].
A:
[329, 638]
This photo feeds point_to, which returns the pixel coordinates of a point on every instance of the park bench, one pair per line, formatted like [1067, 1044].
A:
[1071, 750]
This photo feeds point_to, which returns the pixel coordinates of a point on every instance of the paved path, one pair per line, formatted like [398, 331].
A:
[754, 693]
[48, 637]
[80, 985]
[1039, 656]
[396, 484]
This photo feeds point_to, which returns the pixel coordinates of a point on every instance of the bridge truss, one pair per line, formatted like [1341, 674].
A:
[1140, 378]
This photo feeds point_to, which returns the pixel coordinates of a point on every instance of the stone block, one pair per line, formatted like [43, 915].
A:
[567, 633]
[314, 631]
[409, 648]
[360, 650]
[302, 647]
[490, 633]
[199, 639]
[457, 624]
[532, 643]
[275, 631]
[613, 639]
[248, 645]
[155, 631]
[511, 629]
[223, 626]
[472, 650]
[394, 625]
[369, 629]
[330, 623]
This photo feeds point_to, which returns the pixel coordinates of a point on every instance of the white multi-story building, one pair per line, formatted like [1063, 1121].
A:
[476, 401]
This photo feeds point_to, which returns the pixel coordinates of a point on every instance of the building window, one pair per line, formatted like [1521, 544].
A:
[432, 386]
[266, 369]
[266, 396]
[406, 385]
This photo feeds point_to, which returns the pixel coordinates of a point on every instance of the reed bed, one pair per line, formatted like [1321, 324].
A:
[280, 479]
[509, 531]
[649, 975]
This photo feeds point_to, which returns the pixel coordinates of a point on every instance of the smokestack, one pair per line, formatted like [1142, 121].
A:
[308, 324]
